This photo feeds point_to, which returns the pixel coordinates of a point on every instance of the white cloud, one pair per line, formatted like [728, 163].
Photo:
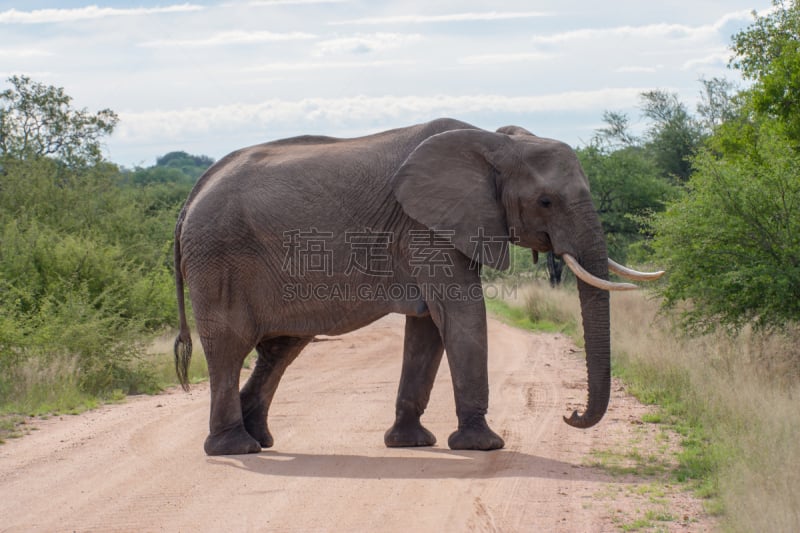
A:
[230, 38]
[293, 2]
[637, 69]
[42, 16]
[185, 123]
[23, 52]
[365, 43]
[493, 59]
[719, 56]
[650, 31]
[453, 17]
[326, 65]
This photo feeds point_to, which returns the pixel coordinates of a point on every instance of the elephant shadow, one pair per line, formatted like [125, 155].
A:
[432, 463]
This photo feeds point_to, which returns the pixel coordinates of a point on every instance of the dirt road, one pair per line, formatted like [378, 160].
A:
[139, 466]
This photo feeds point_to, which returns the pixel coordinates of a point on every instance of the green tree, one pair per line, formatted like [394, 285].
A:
[38, 120]
[718, 103]
[191, 165]
[626, 187]
[732, 244]
[616, 133]
[173, 168]
[768, 52]
[674, 135]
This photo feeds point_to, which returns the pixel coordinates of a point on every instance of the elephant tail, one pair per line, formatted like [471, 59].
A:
[183, 342]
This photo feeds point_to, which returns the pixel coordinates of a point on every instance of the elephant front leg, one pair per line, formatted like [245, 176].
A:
[422, 353]
[465, 338]
[274, 356]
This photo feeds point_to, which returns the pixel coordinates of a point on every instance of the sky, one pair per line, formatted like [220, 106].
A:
[209, 77]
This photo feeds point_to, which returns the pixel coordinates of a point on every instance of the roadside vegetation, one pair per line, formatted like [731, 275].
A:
[711, 194]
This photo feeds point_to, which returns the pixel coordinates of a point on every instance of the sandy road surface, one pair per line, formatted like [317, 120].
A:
[140, 466]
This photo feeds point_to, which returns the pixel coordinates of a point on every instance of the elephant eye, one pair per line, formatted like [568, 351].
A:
[545, 202]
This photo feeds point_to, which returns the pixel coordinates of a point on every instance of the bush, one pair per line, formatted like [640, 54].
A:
[732, 244]
[85, 275]
[85, 254]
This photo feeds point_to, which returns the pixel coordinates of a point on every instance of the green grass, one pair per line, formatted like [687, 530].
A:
[630, 463]
[649, 520]
[669, 388]
[652, 418]
[515, 316]
[538, 314]
[10, 426]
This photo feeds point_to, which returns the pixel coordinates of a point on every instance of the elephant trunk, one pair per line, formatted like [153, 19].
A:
[596, 329]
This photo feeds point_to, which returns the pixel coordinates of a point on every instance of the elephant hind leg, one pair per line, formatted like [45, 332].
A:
[274, 356]
[422, 353]
[225, 353]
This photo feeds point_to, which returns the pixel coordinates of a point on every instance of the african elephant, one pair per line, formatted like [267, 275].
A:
[318, 235]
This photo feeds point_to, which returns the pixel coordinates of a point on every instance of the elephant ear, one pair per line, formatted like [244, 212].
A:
[449, 184]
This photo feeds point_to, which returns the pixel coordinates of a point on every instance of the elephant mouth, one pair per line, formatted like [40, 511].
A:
[541, 243]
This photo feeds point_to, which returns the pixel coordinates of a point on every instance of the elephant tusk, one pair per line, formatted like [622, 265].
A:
[629, 273]
[594, 281]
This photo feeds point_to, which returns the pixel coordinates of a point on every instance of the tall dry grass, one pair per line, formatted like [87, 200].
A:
[46, 385]
[742, 392]
[162, 363]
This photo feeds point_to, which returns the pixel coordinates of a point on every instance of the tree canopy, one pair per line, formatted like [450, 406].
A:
[673, 136]
[172, 168]
[626, 186]
[38, 120]
[732, 243]
[768, 53]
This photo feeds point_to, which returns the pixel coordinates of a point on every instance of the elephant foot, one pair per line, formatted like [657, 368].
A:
[235, 441]
[475, 436]
[408, 434]
[257, 428]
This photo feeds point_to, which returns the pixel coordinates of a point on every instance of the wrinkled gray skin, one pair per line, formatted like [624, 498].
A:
[232, 248]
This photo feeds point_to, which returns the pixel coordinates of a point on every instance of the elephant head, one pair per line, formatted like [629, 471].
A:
[486, 189]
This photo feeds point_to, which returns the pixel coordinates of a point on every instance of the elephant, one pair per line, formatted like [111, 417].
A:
[284, 241]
